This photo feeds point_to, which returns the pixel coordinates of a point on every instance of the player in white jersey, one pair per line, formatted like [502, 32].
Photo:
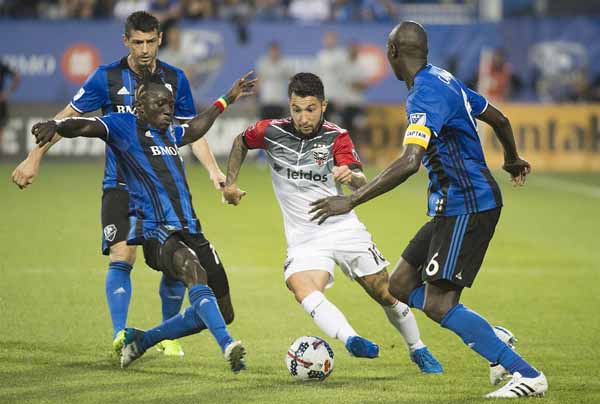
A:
[309, 159]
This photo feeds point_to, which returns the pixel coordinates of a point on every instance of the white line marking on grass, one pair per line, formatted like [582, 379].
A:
[568, 186]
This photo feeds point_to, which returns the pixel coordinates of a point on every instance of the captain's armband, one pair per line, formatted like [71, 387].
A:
[417, 134]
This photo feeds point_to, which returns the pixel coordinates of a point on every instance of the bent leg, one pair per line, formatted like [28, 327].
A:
[398, 313]
[406, 285]
[308, 287]
[442, 305]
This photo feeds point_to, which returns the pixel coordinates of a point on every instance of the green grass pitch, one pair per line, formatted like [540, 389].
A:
[540, 279]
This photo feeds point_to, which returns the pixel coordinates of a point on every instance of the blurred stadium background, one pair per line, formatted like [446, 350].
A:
[536, 59]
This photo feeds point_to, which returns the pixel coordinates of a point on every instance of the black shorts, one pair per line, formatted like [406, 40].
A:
[115, 217]
[452, 247]
[159, 250]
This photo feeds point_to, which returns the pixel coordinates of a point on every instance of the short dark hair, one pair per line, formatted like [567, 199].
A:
[306, 85]
[148, 79]
[141, 21]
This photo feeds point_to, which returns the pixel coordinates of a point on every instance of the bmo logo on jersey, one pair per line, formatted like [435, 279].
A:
[164, 150]
[306, 175]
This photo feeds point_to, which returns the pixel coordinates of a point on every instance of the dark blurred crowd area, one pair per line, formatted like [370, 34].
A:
[274, 10]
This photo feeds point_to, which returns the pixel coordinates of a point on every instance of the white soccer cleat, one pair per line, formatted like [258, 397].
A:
[234, 354]
[521, 386]
[497, 372]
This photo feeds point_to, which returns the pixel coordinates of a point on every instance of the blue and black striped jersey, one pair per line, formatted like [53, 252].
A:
[111, 88]
[154, 172]
[441, 115]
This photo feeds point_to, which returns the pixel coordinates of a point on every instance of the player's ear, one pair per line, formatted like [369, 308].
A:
[324, 106]
[125, 41]
[160, 38]
[392, 50]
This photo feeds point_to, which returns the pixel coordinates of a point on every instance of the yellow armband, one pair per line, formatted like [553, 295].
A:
[417, 134]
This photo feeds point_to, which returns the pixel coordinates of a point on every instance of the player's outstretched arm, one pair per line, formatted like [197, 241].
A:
[231, 193]
[69, 127]
[517, 167]
[200, 124]
[394, 175]
[24, 174]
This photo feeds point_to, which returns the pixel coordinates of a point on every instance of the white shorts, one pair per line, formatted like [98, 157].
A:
[353, 251]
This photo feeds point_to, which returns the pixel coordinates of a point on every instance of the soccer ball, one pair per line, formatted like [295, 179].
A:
[309, 358]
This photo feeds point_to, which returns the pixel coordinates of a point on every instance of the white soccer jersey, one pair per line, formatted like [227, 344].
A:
[301, 170]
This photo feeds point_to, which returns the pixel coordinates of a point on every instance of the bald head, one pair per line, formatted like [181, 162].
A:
[410, 40]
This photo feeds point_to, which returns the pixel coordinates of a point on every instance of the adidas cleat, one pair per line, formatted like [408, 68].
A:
[521, 386]
[497, 372]
[131, 346]
[170, 347]
[426, 361]
[117, 343]
[234, 354]
[362, 347]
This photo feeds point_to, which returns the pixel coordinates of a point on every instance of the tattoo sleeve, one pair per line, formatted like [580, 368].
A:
[236, 158]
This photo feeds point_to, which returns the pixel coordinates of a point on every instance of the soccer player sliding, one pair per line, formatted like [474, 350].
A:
[147, 147]
[112, 88]
[464, 200]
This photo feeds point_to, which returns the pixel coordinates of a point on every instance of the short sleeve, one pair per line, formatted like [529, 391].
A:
[119, 128]
[94, 93]
[184, 104]
[254, 136]
[477, 101]
[344, 152]
[427, 112]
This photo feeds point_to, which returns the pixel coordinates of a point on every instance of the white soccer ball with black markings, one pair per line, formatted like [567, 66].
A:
[309, 358]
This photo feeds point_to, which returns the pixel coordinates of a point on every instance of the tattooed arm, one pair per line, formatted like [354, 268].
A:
[231, 193]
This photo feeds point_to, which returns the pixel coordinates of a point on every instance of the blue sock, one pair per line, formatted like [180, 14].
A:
[171, 293]
[417, 298]
[179, 326]
[205, 304]
[479, 335]
[118, 293]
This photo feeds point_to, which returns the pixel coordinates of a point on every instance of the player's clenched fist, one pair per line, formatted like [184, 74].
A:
[233, 195]
[44, 132]
[342, 174]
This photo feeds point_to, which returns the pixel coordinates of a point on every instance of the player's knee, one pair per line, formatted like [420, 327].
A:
[397, 288]
[380, 293]
[122, 252]
[301, 291]
[435, 310]
[188, 268]
[403, 280]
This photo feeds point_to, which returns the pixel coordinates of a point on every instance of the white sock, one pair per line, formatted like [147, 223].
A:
[328, 317]
[404, 320]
